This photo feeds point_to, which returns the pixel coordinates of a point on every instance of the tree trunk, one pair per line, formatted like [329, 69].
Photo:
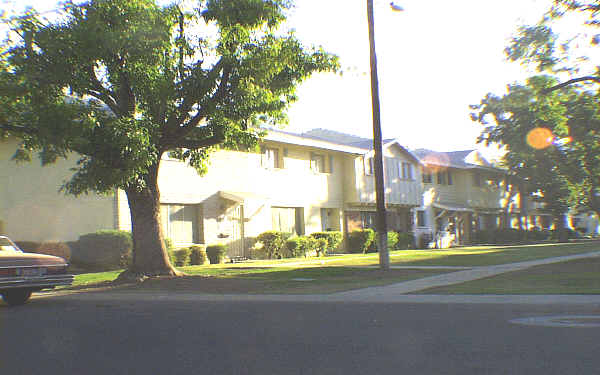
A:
[559, 226]
[149, 252]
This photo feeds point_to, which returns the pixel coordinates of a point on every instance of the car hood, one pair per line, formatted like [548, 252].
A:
[12, 259]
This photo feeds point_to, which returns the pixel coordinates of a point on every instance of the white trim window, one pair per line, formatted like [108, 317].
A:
[369, 166]
[317, 162]
[405, 170]
[270, 157]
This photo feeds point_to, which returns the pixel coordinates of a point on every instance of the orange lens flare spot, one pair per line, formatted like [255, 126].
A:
[540, 138]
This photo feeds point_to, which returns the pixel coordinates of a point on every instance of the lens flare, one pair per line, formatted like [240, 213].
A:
[540, 138]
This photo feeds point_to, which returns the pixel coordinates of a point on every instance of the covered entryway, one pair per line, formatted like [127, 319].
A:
[239, 208]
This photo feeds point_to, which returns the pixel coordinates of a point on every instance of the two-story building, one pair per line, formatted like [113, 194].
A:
[296, 183]
[462, 193]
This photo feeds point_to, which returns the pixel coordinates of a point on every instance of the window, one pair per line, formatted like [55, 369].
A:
[288, 219]
[477, 179]
[317, 162]
[405, 170]
[180, 222]
[444, 177]
[427, 177]
[421, 219]
[270, 158]
[441, 178]
[369, 168]
[368, 219]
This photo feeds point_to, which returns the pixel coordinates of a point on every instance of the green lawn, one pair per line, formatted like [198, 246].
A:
[276, 280]
[335, 273]
[581, 276]
[472, 256]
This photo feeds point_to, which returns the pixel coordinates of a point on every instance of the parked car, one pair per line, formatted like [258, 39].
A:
[23, 273]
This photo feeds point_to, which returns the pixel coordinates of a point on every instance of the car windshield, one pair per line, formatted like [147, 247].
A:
[7, 245]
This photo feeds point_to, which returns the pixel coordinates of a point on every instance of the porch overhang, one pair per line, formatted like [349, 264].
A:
[371, 205]
[240, 197]
[455, 208]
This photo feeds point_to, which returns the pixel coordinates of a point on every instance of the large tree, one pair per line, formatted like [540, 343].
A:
[564, 102]
[525, 123]
[122, 82]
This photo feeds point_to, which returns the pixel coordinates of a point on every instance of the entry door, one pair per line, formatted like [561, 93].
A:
[236, 247]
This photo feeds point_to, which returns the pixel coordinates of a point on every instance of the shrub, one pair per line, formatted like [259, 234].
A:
[103, 250]
[333, 238]
[180, 257]
[273, 243]
[197, 255]
[216, 253]
[392, 242]
[320, 246]
[406, 240]
[58, 249]
[296, 247]
[28, 246]
[360, 240]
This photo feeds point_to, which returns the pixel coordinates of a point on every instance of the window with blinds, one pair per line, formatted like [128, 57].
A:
[180, 222]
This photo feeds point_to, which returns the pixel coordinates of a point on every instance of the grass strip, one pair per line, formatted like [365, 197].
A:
[580, 276]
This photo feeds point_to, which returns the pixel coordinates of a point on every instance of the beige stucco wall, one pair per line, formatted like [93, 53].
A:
[398, 190]
[32, 209]
[294, 184]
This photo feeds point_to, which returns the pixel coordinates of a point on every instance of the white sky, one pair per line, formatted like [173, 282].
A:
[435, 59]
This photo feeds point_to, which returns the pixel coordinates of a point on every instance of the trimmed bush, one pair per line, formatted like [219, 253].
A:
[392, 241]
[359, 241]
[58, 249]
[103, 250]
[334, 239]
[216, 253]
[296, 247]
[273, 243]
[28, 246]
[197, 255]
[406, 240]
[180, 257]
[320, 246]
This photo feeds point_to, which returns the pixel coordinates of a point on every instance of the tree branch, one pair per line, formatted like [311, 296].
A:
[18, 129]
[191, 142]
[570, 82]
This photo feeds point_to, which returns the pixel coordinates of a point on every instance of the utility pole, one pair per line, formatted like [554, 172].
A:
[381, 221]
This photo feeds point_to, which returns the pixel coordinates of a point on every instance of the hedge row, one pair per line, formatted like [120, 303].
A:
[277, 245]
[367, 241]
[507, 236]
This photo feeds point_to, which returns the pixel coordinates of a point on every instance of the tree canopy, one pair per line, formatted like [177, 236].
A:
[550, 124]
[121, 82]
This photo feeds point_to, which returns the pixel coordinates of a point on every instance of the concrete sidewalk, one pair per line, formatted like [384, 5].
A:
[475, 273]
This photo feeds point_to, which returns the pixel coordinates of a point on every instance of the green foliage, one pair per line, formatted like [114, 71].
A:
[168, 244]
[564, 173]
[121, 82]
[273, 243]
[103, 250]
[320, 246]
[333, 238]
[28, 246]
[296, 247]
[216, 253]
[359, 241]
[393, 239]
[58, 249]
[180, 257]
[509, 236]
[406, 240]
[197, 255]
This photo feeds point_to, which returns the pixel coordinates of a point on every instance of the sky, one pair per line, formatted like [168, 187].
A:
[434, 59]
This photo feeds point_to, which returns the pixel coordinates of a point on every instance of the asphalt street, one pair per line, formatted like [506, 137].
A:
[102, 333]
